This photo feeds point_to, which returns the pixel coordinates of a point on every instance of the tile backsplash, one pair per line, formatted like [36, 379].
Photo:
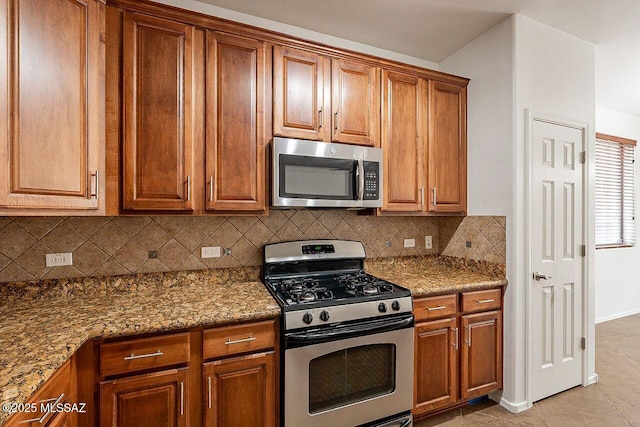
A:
[104, 246]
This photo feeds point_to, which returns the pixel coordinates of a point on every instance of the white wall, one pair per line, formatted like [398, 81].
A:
[292, 30]
[618, 270]
[520, 64]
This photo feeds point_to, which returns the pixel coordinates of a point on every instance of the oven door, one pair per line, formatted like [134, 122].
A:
[354, 375]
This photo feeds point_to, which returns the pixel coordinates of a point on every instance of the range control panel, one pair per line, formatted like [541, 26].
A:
[318, 249]
[371, 180]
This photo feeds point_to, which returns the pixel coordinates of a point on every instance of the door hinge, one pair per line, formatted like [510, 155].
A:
[583, 250]
[583, 157]
[583, 343]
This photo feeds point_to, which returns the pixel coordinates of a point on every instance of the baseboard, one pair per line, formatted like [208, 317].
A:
[592, 379]
[512, 407]
[617, 315]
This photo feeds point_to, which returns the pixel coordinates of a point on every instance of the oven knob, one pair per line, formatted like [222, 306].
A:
[307, 318]
[324, 315]
[382, 307]
[395, 306]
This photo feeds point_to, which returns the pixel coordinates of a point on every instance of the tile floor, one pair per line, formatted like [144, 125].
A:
[613, 401]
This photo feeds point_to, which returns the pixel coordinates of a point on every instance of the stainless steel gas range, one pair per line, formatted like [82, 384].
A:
[347, 337]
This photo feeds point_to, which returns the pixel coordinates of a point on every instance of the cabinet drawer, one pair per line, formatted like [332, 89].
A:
[481, 300]
[143, 353]
[55, 391]
[236, 339]
[435, 307]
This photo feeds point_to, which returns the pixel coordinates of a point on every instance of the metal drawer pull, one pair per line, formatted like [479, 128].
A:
[456, 343]
[181, 398]
[209, 387]
[229, 341]
[440, 307]
[484, 301]
[49, 412]
[469, 336]
[142, 356]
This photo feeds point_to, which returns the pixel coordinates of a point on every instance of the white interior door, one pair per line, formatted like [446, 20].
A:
[556, 258]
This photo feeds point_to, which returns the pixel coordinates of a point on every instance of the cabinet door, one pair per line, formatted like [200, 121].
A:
[240, 391]
[436, 365]
[403, 131]
[51, 103]
[158, 108]
[236, 123]
[355, 103]
[301, 94]
[447, 152]
[149, 400]
[481, 353]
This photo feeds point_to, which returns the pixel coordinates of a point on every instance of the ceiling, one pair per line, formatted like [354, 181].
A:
[434, 29]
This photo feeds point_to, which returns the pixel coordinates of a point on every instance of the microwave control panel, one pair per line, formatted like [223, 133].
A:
[371, 180]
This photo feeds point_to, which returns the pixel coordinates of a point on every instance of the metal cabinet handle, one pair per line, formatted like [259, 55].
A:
[95, 181]
[229, 341]
[336, 120]
[421, 196]
[321, 117]
[181, 398]
[538, 276]
[435, 196]
[188, 188]
[211, 188]
[455, 344]
[484, 301]
[209, 390]
[440, 307]
[142, 356]
[47, 414]
[469, 336]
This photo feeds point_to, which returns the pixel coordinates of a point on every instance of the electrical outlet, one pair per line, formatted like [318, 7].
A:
[210, 252]
[409, 243]
[57, 260]
[428, 242]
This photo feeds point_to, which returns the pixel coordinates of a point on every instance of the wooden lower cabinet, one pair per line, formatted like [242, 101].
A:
[458, 349]
[155, 399]
[481, 353]
[436, 366]
[240, 391]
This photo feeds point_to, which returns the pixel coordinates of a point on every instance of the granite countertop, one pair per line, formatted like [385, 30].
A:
[43, 324]
[437, 275]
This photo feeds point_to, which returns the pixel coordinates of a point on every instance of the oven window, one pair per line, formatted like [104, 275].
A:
[351, 375]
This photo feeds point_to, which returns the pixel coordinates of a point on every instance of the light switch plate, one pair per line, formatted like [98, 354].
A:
[428, 242]
[57, 260]
[409, 243]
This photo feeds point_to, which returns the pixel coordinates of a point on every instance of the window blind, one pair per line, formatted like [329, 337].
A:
[615, 191]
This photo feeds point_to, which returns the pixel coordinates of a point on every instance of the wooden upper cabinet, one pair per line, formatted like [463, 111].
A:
[301, 94]
[158, 84]
[355, 104]
[236, 136]
[404, 122]
[447, 152]
[51, 105]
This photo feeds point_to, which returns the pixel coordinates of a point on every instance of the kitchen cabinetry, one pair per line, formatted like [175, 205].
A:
[51, 107]
[158, 126]
[236, 122]
[458, 350]
[240, 385]
[424, 136]
[59, 389]
[310, 87]
[149, 399]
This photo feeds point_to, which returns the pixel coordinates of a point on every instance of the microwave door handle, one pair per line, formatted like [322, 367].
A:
[361, 181]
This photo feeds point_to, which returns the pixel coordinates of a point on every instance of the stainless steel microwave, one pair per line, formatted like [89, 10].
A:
[321, 174]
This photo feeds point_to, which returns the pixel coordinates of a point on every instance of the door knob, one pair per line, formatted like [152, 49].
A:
[538, 276]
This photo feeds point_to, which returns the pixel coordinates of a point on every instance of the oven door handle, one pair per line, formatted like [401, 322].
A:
[297, 339]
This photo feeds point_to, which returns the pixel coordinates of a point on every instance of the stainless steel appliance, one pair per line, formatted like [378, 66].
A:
[320, 174]
[347, 337]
